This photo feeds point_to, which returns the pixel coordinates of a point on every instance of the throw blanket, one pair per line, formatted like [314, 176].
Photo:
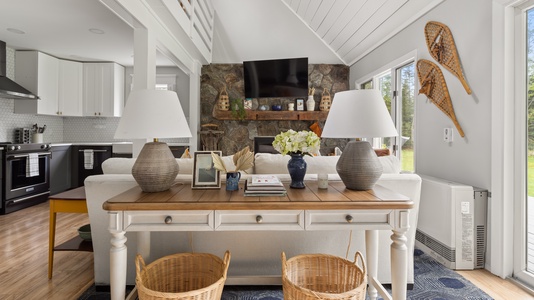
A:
[32, 165]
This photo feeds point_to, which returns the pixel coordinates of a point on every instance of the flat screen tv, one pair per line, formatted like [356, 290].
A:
[276, 78]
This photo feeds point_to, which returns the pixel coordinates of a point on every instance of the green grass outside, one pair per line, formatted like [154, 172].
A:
[407, 161]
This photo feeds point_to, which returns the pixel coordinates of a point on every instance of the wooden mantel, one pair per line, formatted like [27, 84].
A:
[271, 115]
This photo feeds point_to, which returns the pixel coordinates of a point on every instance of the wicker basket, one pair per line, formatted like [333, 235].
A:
[323, 276]
[189, 276]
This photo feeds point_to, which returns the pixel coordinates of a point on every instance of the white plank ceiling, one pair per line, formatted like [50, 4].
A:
[353, 28]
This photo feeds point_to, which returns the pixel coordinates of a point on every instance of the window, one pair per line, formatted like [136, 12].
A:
[397, 85]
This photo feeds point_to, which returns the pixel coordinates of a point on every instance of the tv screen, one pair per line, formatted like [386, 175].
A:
[276, 78]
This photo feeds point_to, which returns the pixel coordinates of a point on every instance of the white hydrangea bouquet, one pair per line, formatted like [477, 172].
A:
[297, 142]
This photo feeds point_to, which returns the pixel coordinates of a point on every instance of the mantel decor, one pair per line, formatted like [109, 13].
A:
[223, 102]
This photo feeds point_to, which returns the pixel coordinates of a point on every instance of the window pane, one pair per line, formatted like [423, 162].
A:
[407, 100]
[367, 85]
[530, 140]
[384, 85]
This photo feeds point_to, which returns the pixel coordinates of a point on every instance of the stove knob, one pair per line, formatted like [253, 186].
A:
[45, 146]
[17, 147]
[11, 148]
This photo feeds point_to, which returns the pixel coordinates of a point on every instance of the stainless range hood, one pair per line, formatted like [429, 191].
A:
[9, 88]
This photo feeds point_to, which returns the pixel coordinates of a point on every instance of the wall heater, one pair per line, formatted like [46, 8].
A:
[451, 226]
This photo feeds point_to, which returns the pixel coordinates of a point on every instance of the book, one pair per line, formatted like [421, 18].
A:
[263, 193]
[264, 180]
[249, 186]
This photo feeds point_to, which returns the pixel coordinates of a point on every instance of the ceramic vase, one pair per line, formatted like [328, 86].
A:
[232, 181]
[296, 166]
[310, 104]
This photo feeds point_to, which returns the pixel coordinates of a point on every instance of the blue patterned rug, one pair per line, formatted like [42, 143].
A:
[432, 281]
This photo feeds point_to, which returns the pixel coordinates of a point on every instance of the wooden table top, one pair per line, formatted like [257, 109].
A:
[182, 197]
[74, 194]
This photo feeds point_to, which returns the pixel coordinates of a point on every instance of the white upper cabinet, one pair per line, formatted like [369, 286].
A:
[39, 73]
[103, 88]
[57, 82]
[70, 100]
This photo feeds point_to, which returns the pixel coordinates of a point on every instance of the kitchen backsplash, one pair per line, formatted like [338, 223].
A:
[58, 129]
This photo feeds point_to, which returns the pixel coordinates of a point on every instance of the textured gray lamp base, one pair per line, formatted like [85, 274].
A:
[155, 168]
[358, 166]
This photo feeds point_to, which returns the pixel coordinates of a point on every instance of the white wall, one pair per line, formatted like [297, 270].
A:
[466, 160]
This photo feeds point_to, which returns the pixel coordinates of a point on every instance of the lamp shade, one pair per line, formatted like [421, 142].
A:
[358, 114]
[152, 114]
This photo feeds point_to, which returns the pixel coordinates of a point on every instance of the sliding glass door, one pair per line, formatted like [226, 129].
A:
[524, 187]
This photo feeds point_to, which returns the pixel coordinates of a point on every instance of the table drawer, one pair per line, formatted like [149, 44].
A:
[229, 220]
[349, 219]
[185, 220]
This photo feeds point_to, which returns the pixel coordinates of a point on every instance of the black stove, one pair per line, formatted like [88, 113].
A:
[24, 175]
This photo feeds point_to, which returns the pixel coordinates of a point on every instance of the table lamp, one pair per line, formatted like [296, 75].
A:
[358, 114]
[153, 114]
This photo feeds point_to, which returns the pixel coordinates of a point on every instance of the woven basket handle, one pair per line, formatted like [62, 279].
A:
[139, 264]
[326, 92]
[284, 263]
[359, 254]
[226, 261]
[224, 92]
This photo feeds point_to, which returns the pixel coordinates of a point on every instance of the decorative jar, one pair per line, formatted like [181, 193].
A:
[296, 166]
[232, 181]
[310, 104]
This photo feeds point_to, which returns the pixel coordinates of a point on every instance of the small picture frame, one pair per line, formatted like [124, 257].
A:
[205, 176]
[300, 104]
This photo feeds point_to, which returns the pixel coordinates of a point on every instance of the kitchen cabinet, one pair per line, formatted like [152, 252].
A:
[70, 100]
[60, 169]
[39, 73]
[57, 82]
[103, 89]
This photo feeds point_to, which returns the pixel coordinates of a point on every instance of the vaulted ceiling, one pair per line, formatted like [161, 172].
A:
[325, 31]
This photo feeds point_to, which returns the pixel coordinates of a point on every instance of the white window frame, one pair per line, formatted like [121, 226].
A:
[391, 68]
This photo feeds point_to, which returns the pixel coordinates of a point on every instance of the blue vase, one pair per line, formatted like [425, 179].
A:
[297, 170]
[232, 181]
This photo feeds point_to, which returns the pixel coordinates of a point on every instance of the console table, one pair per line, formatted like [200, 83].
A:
[336, 208]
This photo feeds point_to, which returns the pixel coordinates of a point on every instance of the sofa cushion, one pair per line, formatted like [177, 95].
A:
[266, 163]
[120, 165]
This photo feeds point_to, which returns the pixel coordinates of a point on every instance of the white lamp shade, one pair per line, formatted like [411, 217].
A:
[152, 114]
[358, 114]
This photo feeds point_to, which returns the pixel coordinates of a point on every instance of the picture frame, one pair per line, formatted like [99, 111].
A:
[300, 104]
[205, 176]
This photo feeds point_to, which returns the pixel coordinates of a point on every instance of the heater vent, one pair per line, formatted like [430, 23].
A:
[440, 249]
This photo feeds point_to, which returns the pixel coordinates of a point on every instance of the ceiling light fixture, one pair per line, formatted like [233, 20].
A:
[15, 30]
[96, 31]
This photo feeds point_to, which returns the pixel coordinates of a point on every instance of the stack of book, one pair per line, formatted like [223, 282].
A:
[264, 185]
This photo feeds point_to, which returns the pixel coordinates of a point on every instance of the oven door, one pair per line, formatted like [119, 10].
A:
[21, 185]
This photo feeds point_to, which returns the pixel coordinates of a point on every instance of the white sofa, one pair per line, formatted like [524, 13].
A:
[253, 253]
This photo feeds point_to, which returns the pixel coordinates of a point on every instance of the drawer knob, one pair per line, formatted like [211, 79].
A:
[349, 218]
[259, 219]
[168, 220]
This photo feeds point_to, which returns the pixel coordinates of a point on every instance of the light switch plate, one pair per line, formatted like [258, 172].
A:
[447, 135]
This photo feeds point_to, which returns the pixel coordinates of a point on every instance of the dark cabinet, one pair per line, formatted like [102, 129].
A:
[60, 169]
[80, 168]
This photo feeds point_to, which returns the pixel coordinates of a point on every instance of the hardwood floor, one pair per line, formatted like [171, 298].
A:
[24, 257]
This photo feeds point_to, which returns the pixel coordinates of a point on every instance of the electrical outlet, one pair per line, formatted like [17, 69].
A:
[447, 135]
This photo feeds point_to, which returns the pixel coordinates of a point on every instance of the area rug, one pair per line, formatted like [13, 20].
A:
[432, 281]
